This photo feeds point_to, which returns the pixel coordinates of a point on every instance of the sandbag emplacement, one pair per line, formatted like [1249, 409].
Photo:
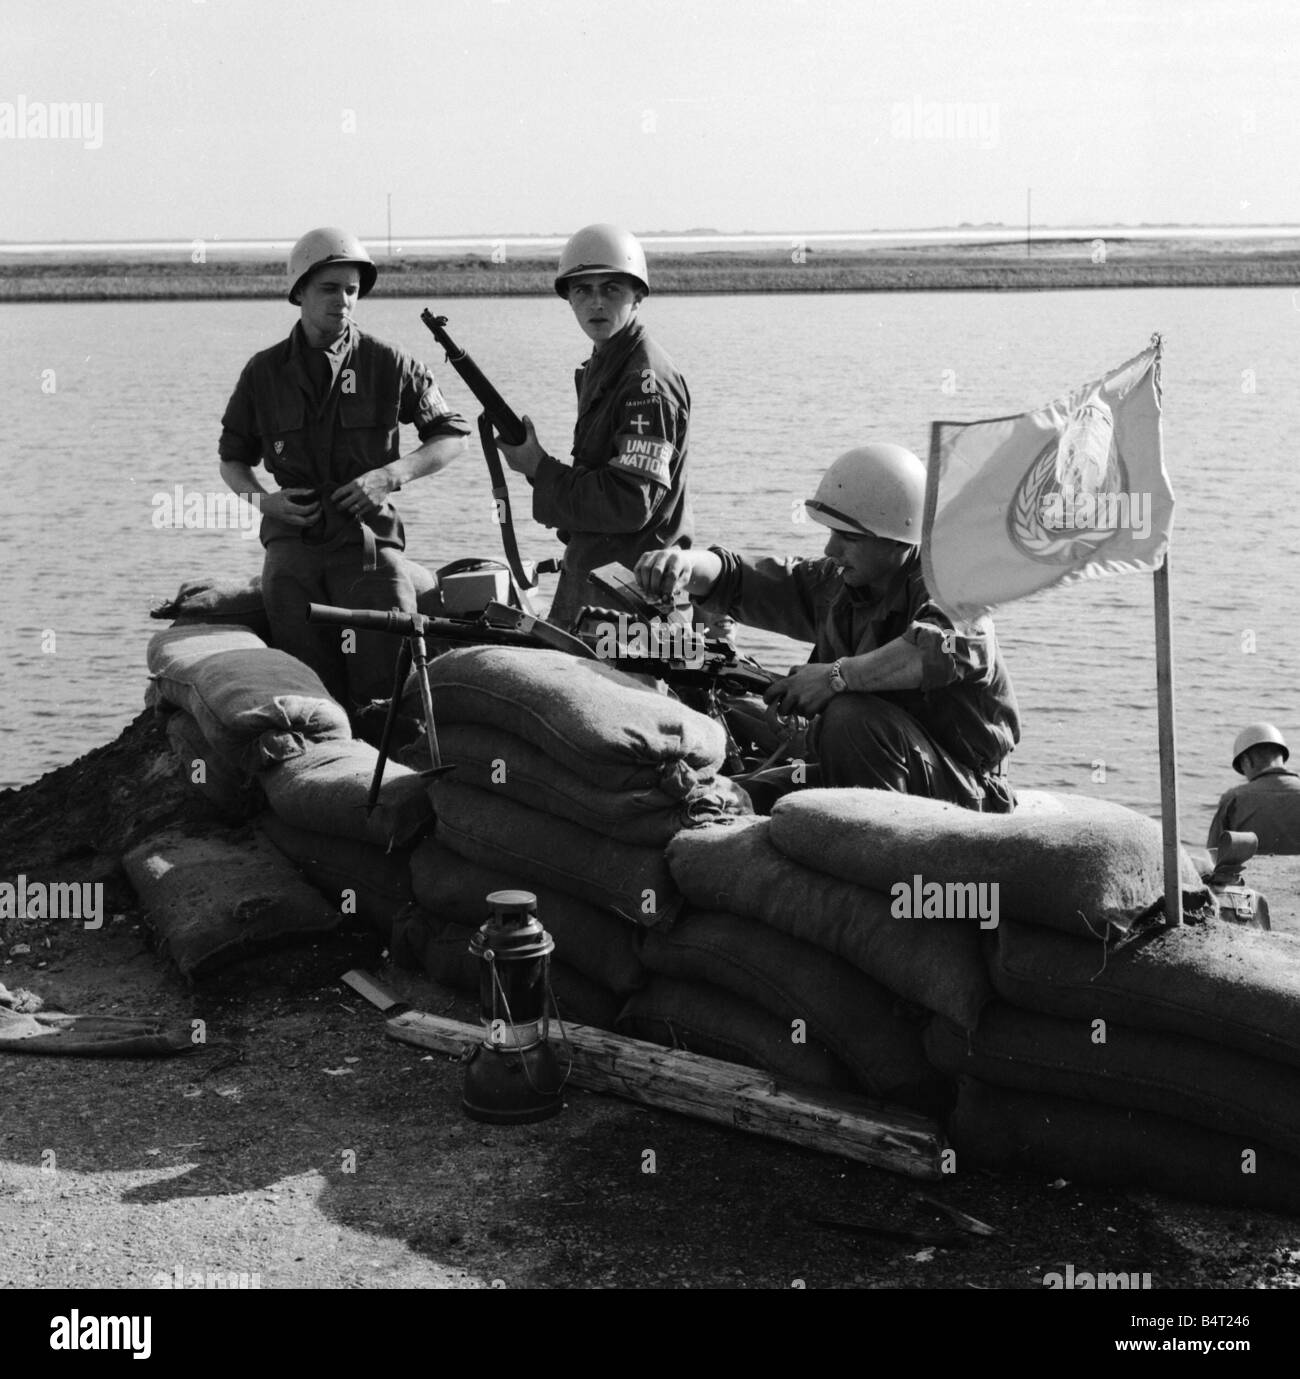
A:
[1090, 870]
[224, 602]
[1226, 983]
[1007, 1131]
[935, 963]
[598, 943]
[494, 760]
[215, 901]
[706, 1019]
[812, 993]
[1253, 1099]
[357, 878]
[326, 786]
[228, 794]
[604, 726]
[442, 952]
[253, 704]
[501, 835]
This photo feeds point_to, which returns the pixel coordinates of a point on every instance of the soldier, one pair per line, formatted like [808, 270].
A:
[322, 410]
[1268, 803]
[901, 697]
[625, 492]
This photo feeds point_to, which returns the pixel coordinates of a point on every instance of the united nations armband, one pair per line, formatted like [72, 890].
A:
[648, 457]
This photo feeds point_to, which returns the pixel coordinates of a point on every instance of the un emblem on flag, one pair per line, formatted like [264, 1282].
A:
[1072, 498]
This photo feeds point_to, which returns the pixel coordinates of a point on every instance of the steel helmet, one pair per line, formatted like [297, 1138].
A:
[328, 245]
[875, 490]
[601, 249]
[1253, 736]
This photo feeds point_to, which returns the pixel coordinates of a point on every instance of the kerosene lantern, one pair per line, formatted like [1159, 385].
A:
[513, 1077]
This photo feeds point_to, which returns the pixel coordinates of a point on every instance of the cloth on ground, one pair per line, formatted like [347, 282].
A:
[1089, 870]
[607, 727]
[92, 1036]
[1223, 982]
[935, 963]
[487, 828]
[598, 943]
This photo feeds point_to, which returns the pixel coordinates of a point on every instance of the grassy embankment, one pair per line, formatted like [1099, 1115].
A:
[1053, 264]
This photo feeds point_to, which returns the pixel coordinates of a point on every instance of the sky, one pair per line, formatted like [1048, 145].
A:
[251, 119]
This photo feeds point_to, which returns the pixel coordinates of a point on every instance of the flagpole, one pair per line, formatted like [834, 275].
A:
[1168, 748]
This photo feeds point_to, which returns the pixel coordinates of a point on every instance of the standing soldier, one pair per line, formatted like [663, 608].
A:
[323, 409]
[625, 492]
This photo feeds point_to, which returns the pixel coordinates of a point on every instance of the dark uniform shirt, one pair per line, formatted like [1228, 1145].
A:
[319, 418]
[625, 492]
[965, 700]
[1268, 805]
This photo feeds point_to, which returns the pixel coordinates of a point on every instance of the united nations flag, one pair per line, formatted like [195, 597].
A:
[1074, 490]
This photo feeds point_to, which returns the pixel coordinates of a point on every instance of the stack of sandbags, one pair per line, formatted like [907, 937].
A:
[1184, 1043]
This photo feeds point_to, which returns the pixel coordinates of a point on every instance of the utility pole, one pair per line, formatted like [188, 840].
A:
[1029, 202]
[390, 225]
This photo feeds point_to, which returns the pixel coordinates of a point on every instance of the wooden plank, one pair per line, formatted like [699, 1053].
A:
[723, 1093]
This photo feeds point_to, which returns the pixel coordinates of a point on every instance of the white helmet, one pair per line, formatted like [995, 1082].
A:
[1254, 736]
[601, 249]
[875, 490]
[328, 245]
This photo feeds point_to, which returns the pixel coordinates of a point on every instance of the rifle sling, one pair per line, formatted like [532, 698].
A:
[502, 495]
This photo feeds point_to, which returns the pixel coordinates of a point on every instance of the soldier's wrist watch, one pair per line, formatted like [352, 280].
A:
[838, 683]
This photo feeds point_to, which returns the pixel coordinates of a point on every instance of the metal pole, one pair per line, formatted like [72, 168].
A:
[390, 225]
[1168, 748]
[1029, 202]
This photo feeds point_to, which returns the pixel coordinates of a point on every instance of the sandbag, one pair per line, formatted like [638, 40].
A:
[445, 957]
[707, 1020]
[599, 944]
[599, 723]
[934, 962]
[325, 788]
[1227, 983]
[222, 602]
[253, 704]
[857, 1019]
[1003, 1130]
[214, 901]
[494, 760]
[228, 794]
[1253, 1099]
[1090, 870]
[358, 878]
[539, 850]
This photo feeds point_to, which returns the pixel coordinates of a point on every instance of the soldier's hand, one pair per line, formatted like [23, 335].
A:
[364, 495]
[285, 508]
[806, 690]
[524, 458]
[663, 573]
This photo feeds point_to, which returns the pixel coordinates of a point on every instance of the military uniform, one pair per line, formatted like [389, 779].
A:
[625, 492]
[1267, 805]
[948, 739]
[319, 418]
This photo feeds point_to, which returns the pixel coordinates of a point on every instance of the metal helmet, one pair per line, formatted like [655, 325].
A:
[1254, 736]
[875, 490]
[328, 245]
[601, 249]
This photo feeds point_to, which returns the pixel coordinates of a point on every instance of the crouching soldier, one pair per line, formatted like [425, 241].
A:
[323, 411]
[900, 697]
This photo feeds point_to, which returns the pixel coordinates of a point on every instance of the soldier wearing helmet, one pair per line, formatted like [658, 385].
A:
[625, 491]
[1268, 802]
[901, 698]
[322, 410]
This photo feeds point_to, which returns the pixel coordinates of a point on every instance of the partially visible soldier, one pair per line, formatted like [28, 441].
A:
[902, 698]
[1268, 803]
[625, 492]
[323, 411]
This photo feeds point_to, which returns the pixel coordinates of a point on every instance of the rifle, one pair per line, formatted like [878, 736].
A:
[496, 413]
